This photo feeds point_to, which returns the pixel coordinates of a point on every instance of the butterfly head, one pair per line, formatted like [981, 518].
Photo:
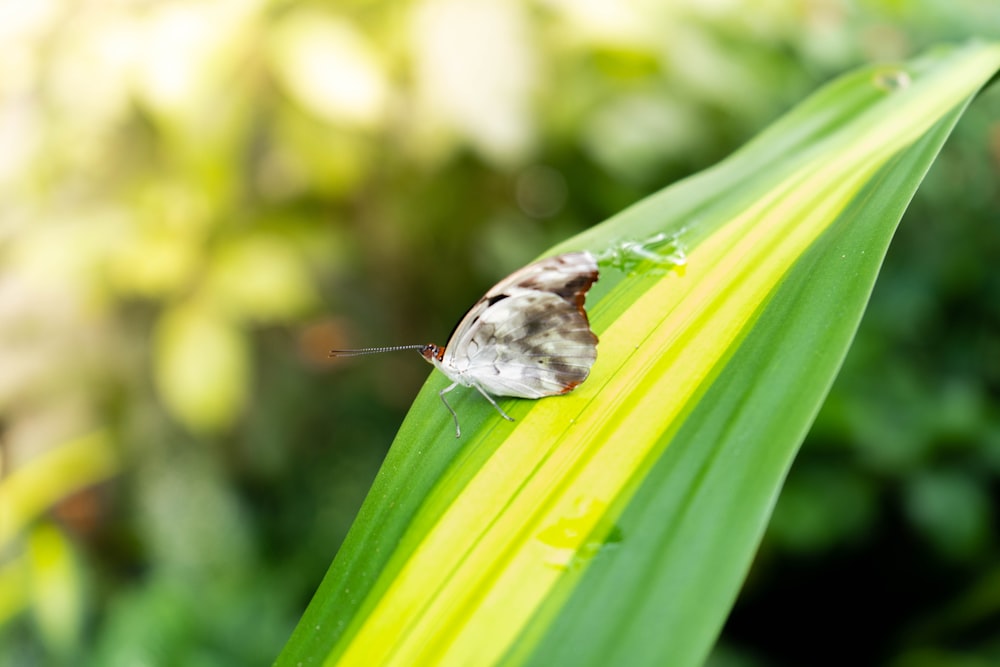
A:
[432, 352]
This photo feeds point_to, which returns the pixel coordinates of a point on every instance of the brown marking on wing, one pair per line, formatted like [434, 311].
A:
[574, 290]
[577, 289]
[570, 386]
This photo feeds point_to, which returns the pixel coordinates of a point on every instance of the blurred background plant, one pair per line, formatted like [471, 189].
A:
[200, 199]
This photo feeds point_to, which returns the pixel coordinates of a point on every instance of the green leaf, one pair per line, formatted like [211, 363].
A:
[614, 525]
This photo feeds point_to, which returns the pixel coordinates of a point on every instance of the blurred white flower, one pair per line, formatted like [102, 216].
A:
[476, 74]
[330, 68]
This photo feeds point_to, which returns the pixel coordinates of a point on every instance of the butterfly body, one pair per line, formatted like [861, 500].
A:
[528, 337]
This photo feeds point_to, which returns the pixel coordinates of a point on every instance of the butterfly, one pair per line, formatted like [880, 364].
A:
[528, 337]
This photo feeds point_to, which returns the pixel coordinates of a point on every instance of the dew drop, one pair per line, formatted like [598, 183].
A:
[580, 536]
[891, 80]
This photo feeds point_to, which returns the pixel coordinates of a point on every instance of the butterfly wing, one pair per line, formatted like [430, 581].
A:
[529, 336]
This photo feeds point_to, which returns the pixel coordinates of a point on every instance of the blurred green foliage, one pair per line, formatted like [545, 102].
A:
[202, 198]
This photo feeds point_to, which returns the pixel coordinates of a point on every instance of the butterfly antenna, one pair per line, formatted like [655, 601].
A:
[372, 350]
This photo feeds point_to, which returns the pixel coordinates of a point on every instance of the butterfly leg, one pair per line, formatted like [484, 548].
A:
[458, 431]
[493, 403]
